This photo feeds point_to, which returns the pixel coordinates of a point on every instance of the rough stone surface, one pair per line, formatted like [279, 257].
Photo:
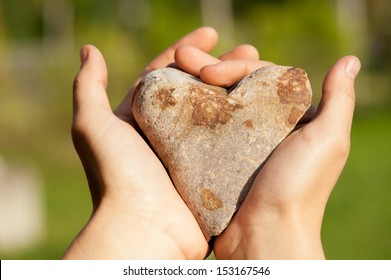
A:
[213, 141]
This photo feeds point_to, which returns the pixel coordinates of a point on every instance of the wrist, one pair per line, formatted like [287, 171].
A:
[273, 235]
[112, 233]
[119, 229]
[287, 237]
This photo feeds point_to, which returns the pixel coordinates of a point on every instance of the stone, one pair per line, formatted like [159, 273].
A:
[213, 141]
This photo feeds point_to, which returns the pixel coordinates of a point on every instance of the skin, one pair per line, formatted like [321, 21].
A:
[282, 215]
[137, 213]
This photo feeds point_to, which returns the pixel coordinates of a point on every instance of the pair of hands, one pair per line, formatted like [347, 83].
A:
[137, 213]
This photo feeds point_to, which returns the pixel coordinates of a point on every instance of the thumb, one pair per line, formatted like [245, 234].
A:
[89, 87]
[336, 107]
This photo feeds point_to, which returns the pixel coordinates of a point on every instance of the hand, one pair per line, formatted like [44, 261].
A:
[137, 212]
[282, 214]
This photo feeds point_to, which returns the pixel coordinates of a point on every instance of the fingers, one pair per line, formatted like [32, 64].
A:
[337, 104]
[191, 59]
[90, 103]
[227, 73]
[204, 38]
[89, 89]
[241, 52]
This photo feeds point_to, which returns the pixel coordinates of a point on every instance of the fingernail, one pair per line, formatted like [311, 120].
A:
[83, 55]
[352, 67]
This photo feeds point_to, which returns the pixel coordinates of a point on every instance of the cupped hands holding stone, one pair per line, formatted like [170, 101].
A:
[137, 212]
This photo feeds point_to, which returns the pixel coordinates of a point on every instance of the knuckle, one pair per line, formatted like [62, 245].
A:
[79, 131]
[339, 146]
[76, 84]
[334, 146]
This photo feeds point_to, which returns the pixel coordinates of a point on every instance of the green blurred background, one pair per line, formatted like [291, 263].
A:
[44, 198]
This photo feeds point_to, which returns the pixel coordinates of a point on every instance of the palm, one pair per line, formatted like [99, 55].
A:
[286, 185]
[147, 189]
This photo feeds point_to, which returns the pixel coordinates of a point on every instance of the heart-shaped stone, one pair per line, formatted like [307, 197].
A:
[213, 141]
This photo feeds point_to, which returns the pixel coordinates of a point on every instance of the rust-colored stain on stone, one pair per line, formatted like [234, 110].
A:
[249, 123]
[263, 84]
[292, 88]
[210, 201]
[213, 140]
[294, 115]
[165, 97]
[211, 108]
